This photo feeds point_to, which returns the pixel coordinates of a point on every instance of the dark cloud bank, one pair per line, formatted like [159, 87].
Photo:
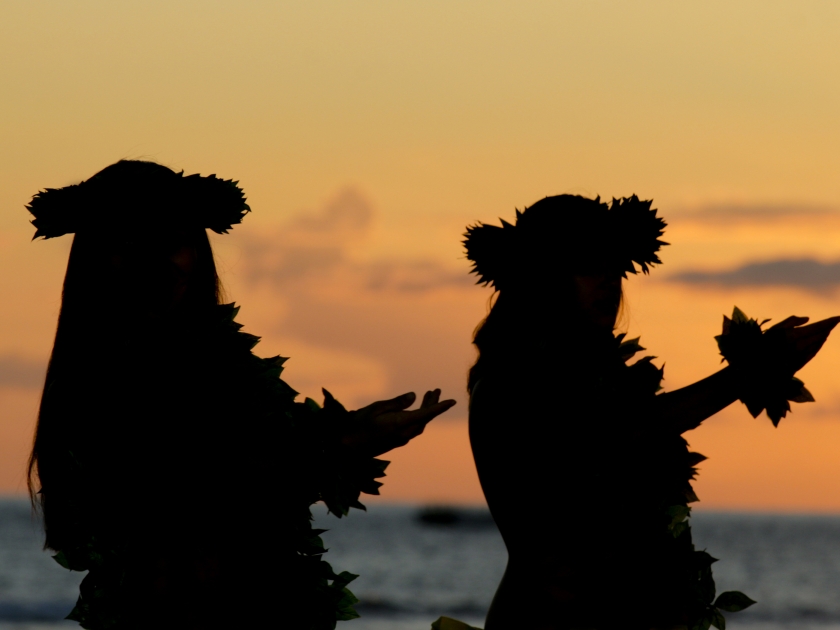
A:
[802, 273]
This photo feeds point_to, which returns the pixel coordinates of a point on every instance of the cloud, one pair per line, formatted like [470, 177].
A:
[731, 213]
[310, 244]
[421, 340]
[315, 247]
[362, 325]
[413, 276]
[16, 371]
[353, 377]
[803, 273]
[348, 212]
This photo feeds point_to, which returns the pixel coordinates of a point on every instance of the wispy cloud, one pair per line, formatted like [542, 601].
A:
[803, 273]
[413, 276]
[729, 213]
[362, 324]
[16, 371]
[315, 246]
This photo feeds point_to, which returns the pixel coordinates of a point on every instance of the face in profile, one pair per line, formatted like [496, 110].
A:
[598, 297]
[180, 262]
[155, 274]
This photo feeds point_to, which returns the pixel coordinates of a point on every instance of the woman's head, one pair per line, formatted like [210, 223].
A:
[140, 257]
[596, 299]
[122, 278]
[559, 268]
[140, 243]
[566, 235]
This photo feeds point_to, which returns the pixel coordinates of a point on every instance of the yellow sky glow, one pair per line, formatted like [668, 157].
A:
[421, 118]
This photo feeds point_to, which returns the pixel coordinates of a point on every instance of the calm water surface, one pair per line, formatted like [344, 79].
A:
[412, 572]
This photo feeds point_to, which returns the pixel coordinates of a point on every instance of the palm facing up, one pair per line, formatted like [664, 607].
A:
[386, 424]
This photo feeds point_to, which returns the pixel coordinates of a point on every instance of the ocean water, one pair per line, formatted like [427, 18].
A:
[413, 571]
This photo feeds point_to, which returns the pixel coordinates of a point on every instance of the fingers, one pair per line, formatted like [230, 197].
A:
[430, 398]
[394, 409]
[805, 341]
[825, 325]
[400, 403]
[815, 333]
[384, 406]
[419, 418]
[413, 422]
[424, 415]
[790, 322]
[398, 427]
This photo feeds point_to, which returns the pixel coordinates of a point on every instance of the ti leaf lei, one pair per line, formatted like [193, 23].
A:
[341, 478]
[704, 610]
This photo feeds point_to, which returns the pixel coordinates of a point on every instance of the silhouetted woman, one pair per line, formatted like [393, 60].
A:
[169, 461]
[582, 463]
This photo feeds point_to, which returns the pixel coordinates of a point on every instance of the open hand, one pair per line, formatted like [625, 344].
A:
[803, 342]
[385, 424]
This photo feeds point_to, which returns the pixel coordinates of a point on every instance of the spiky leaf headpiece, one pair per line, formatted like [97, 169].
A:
[567, 231]
[137, 194]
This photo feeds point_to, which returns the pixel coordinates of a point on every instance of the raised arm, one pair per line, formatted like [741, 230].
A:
[686, 408]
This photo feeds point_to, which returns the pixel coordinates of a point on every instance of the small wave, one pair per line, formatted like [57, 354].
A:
[35, 611]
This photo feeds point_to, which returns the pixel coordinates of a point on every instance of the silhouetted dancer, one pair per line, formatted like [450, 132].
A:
[582, 463]
[170, 462]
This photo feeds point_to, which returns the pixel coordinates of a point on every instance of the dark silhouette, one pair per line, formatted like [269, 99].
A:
[582, 463]
[169, 461]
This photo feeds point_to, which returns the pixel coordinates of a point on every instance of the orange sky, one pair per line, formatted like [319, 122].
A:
[368, 134]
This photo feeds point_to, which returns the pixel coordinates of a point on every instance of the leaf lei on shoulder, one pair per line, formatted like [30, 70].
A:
[704, 610]
[343, 477]
[340, 478]
[756, 355]
[645, 376]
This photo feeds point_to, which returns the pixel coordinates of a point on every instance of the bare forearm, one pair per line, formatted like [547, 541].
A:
[686, 408]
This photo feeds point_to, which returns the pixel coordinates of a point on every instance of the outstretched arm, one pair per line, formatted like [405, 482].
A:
[685, 409]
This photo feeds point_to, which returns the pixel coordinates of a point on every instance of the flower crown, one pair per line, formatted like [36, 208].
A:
[567, 231]
[134, 193]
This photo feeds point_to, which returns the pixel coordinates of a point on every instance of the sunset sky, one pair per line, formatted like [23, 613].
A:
[367, 135]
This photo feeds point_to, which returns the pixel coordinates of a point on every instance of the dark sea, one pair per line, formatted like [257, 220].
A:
[417, 564]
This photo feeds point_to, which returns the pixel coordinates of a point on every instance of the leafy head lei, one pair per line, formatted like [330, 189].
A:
[567, 232]
[132, 194]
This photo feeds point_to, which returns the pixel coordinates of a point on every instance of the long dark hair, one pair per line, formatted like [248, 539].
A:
[523, 328]
[530, 322]
[538, 265]
[117, 284]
